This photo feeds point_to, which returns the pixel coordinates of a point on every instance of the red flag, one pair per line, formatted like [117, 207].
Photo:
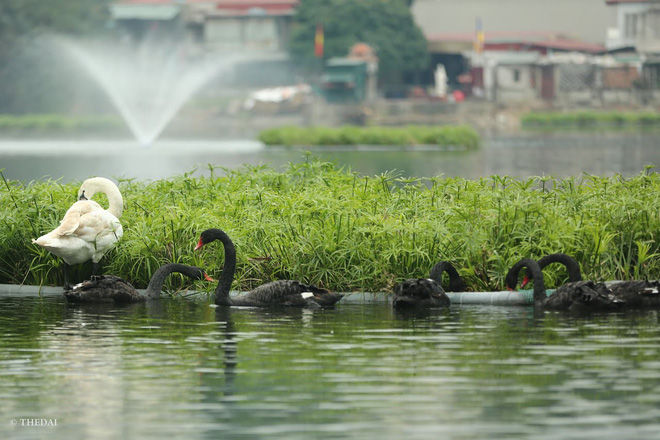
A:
[318, 41]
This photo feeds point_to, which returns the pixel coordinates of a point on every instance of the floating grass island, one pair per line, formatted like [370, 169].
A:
[54, 123]
[590, 120]
[446, 136]
[347, 232]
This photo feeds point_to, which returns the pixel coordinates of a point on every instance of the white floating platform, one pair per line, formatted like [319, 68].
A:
[504, 298]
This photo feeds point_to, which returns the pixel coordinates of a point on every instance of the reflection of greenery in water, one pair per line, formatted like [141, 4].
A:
[185, 369]
[329, 226]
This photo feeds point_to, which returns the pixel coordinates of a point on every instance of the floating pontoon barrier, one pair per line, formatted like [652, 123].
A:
[501, 298]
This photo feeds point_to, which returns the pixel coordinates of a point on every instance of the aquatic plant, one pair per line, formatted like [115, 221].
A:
[53, 123]
[340, 230]
[446, 135]
[590, 120]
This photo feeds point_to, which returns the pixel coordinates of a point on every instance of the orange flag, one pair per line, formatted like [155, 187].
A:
[318, 41]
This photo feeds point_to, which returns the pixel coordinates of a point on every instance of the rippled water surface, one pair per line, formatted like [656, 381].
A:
[556, 154]
[182, 369]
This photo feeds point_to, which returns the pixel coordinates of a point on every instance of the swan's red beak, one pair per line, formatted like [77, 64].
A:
[208, 278]
[199, 244]
[525, 281]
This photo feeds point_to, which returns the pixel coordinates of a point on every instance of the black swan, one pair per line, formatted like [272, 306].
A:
[611, 296]
[273, 294]
[421, 293]
[456, 283]
[583, 295]
[110, 288]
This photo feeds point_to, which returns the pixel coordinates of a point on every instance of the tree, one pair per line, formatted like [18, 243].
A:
[27, 77]
[386, 25]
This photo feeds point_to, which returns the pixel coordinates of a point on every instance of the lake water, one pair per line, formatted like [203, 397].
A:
[522, 155]
[183, 369]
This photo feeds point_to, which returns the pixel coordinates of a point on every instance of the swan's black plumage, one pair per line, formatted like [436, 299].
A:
[110, 288]
[422, 293]
[280, 293]
[419, 293]
[583, 296]
[590, 295]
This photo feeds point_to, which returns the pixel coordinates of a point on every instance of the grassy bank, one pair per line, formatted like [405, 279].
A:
[590, 120]
[446, 135]
[49, 124]
[347, 232]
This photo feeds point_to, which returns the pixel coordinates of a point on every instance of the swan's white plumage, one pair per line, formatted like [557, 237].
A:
[87, 231]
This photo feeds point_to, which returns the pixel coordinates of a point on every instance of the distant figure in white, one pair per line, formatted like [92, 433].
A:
[87, 231]
[440, 77]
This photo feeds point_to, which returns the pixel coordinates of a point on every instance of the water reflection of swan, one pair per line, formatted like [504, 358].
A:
[229, 348]
[110, 288]
[277, 293]
[87, 231]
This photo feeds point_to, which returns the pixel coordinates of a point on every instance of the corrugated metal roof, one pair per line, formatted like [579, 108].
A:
[125, 11]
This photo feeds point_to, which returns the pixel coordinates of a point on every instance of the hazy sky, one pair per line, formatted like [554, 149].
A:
[584, 19]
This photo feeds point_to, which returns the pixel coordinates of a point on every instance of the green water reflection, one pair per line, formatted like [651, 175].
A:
[189, 370]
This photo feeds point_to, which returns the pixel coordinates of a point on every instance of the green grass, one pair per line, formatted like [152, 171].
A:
[456, 136]
[47, 124]
[590, 120]
[344, 231]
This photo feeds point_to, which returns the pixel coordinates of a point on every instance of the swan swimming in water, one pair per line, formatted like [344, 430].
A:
[288, 293]
[428, 292]
[110, 288]
[579, 294]
[87, 231]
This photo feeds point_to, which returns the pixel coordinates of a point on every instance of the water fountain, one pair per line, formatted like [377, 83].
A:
[147, 83]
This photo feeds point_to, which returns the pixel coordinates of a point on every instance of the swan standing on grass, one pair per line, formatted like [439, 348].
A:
[87, 231]
[428, 292]
[274, 294]
[579, 294]
[109, 288]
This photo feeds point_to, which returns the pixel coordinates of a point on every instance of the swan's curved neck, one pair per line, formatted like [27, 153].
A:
[534, 272]
[572, 266]
[224, 284]
[158, 278]
[106, 186]
[116, 201]
[455, 281]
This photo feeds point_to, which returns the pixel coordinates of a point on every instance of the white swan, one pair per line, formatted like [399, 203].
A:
[87, 231]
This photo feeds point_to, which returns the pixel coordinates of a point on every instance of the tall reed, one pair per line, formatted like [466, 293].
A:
[345, 231]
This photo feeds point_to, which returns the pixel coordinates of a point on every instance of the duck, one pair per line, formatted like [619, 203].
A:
[613, 295]
[281, 293]
[111, 288]
[87, 231]
[423, 293]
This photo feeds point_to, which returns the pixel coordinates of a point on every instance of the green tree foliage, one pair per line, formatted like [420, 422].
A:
[27, 74]
[386, 25]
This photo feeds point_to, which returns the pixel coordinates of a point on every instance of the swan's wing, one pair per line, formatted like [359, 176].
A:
[73, 216]
[99, 225]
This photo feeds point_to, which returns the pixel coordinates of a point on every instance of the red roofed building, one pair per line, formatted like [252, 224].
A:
[236, 25]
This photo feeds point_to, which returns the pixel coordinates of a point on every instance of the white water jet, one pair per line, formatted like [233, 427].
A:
[148, 83]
